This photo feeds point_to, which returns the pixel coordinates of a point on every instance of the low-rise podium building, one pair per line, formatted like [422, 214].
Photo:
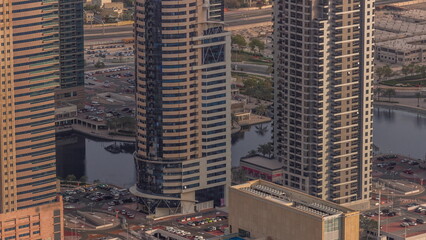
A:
[264, 210]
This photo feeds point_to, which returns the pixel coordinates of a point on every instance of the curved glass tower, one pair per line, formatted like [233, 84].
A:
[183, 106]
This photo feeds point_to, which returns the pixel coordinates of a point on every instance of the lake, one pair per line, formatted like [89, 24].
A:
[395, 131]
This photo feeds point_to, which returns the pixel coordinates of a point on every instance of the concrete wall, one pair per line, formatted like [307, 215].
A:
[264, 218]
[44, 222]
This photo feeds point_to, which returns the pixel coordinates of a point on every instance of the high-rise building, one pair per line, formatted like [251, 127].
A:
[71, 53]
[323, 72]
[29, 205]
[262, 210]
[183, 106]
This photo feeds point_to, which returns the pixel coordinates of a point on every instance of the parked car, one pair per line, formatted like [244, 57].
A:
[391, 214]
[420, 221]
[404, 224]
[413, 163]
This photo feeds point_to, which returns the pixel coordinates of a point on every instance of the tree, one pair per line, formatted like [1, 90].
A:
[408, 69]
[239, 40]
[256, 43]
[93, 8]
[265, 149]
[378, 91]
[129, 3]
[99, 64]
[235, 4]
[421, 70]
[112, 124]
[261, 110]
[418, 96]
[127, 16]
[384, 72]
[128, 123]
[234, 119]
[238, 175]
[258, 88]
[251, 153]
[367, 225]
[83, 179]
[71, 178]
[390, 92]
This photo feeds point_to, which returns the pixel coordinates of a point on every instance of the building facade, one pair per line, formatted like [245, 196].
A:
[71, 33]
[259, 167]
[323, 72]
[29, 206]
[183, 106]
[274, 212]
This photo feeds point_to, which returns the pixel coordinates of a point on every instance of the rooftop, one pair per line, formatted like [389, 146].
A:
[263, 162]
[288, 197]
[405, 44]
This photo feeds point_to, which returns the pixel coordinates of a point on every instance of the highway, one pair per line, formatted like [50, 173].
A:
[232, 18]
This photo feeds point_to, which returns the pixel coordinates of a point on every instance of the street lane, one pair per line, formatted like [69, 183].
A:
[232, 18]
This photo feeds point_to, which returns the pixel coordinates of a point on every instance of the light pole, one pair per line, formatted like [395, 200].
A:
[378, 221]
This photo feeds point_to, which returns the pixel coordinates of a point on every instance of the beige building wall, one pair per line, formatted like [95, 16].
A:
[268, 218]
[43, 222]
[323, 74]
[29, 206]
[263, 218]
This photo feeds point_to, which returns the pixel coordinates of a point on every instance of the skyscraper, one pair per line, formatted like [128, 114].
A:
[323, 72]
[71, 82]
[183, 106]
[29, 206]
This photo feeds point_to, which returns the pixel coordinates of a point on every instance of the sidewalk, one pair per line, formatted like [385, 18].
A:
[102, 134]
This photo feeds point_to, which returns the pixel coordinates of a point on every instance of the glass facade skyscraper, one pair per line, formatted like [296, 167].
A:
[71, 34]
[183, 106]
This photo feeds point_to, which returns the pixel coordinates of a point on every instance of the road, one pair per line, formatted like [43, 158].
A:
[232, 18]
[251, 68]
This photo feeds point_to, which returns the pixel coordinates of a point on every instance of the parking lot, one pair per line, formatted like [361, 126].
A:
[118, 206]
[402, 222]
[392, 166]
[113, 52]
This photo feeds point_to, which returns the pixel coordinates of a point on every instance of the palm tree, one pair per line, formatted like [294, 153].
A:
[418, 96]
[83, 179]
[378, 92]
[71, 178]
[261, 110]
[367, 225]
[390, 92]
[266, 149]
[251, 153]
[234, 119]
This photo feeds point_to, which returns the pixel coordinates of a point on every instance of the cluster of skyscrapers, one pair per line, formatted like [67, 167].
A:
[323, 72]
